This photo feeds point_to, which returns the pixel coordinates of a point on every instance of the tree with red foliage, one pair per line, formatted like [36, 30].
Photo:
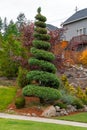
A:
[26, 39]
[27, 35]
[56, 37]
[56, 47]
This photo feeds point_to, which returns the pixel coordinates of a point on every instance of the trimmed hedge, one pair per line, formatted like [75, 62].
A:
[41, 44]
[42, 54]
[43, 65]
[40, 17]
[41, 30]
[44, 78]
[45, 37]
[40, 24]
[41, 92]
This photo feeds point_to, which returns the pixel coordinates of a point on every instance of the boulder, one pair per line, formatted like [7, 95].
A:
[85, 108]
[63, 112]
[57, 108]
[49, 112]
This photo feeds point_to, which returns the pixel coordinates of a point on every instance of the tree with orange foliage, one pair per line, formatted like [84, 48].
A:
[83, 57]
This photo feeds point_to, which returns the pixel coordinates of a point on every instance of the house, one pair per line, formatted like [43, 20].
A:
[51, 27]
[76, 30]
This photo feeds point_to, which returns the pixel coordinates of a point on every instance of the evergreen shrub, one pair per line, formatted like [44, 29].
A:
[44, 78]
[41, 92]
[20, 102]
[43, 65]
[42, 54]
[22, 78]
[41, 44]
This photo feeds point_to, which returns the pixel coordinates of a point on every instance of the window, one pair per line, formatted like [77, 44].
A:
[84, 30]
[77, 32]
[80, 31]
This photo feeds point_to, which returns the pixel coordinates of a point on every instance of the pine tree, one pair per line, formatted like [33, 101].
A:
[21, 20]
[5, 24]
[1, 24]
[43, 71]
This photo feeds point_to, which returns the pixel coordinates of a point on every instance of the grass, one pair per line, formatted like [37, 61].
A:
[7, 95]
[9, 124]
[80, 117]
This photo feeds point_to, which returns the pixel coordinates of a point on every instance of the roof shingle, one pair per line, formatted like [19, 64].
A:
[81, 14]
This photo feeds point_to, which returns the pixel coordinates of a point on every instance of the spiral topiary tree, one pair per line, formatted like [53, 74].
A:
[42, 69]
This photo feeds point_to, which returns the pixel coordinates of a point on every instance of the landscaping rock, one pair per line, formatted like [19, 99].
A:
[85, 108]
[49, 112]
[28, 114]
[33, 114]
[57, 108]
[71, 108]
[63, 112]
[58, 114]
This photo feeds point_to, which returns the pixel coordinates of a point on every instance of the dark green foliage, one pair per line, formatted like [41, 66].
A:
[42, 54]
[41, 92]
[41, 30]
[44, 78]
[9, 68]
[21, 20]
[45, 37]
[39, 10]
[40, 24]
[40, 17]
[20, 102]
[41, 44]
[42, 65]
[61, 105]
[11, 30]
[9, 46]
[78, 103]
[1, 24]
[22, 79]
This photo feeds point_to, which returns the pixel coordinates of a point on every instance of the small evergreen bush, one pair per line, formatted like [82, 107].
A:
[60, 104]
[78, 103]
[20, 102]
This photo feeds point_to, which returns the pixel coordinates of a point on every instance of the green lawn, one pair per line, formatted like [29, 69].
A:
[9, 124]
[80, 117]
[7, 95]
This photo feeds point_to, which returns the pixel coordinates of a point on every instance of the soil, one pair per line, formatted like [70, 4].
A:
[31, 108]
[31, 111]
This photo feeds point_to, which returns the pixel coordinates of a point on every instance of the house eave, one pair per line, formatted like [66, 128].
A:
[66, 23]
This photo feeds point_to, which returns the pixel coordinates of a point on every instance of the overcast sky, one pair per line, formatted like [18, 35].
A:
[56, 11]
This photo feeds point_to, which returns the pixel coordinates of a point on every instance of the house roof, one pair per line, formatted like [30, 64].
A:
[51, 27]
[79, 15]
